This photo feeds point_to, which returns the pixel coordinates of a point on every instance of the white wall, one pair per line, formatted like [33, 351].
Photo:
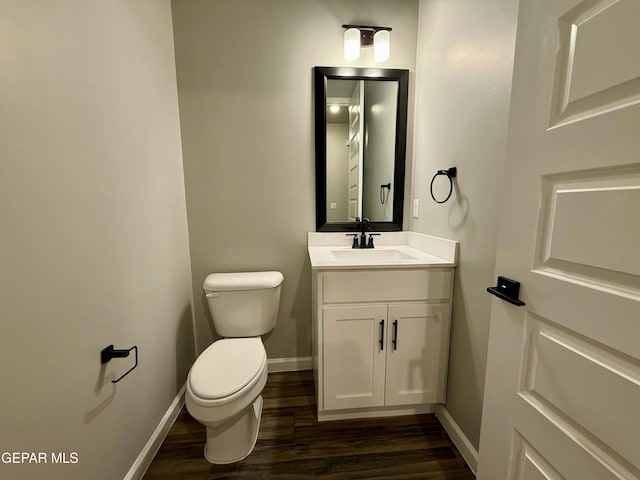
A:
[93, 235]
[246, 109]
[337, 171]
[463, 70]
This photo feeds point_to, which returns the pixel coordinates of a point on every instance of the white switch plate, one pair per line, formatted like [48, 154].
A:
[416, 207]
[334, 206]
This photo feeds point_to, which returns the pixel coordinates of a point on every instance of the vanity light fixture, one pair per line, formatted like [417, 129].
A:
[356, 36]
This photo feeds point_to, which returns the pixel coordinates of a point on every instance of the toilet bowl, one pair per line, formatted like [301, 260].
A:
[225, 383]
[223, 393]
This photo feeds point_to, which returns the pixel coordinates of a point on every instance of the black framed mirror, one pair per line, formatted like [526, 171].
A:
[361, 130]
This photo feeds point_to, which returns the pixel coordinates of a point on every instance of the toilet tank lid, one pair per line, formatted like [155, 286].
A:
[216, 282]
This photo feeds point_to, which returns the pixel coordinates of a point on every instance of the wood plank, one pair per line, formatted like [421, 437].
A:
[292, 444]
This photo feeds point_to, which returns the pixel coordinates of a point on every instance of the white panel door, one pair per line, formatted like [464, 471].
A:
[353, 357]
[356, 131]
[417, 352]
[562, 392]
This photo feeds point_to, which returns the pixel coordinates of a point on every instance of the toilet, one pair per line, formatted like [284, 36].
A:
[225, 383]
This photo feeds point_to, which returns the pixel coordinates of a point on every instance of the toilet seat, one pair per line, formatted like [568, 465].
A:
[226, 370]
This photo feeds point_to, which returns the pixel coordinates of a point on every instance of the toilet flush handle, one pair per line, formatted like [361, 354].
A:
[212, 294]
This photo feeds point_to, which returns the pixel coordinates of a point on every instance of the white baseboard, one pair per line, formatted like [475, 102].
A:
[292, 364]
[467, 450]
[140, 466]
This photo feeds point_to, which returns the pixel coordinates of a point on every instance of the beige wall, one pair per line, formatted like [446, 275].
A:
[246, 110]
[464, 63]
[93, 236]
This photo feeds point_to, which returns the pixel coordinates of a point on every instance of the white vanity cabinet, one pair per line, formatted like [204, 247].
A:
[381, 340]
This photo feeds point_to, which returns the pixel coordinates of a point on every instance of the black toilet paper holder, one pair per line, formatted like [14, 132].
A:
[109, 352]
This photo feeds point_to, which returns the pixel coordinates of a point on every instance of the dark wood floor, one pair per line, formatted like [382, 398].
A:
[292, 444]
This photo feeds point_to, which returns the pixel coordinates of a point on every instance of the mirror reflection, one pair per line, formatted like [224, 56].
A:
[360, 146]
[360, 127]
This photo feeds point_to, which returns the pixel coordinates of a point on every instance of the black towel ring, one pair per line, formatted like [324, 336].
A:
[450, 173]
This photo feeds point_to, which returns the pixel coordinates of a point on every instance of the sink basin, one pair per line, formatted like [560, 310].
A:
[371, 255]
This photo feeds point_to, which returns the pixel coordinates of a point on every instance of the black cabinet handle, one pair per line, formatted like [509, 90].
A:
[381, 334]
[394, 339]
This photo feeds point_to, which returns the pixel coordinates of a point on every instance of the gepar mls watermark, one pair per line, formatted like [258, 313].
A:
[31, 458]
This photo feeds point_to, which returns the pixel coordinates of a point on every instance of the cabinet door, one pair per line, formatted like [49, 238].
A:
[417, 353]
[353, 360]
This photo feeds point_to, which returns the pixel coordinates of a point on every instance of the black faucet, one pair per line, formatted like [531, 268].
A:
[364, 224]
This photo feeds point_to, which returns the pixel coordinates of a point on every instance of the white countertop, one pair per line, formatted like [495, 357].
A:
[333, 251]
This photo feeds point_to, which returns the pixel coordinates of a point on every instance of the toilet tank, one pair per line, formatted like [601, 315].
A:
[243, 304]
